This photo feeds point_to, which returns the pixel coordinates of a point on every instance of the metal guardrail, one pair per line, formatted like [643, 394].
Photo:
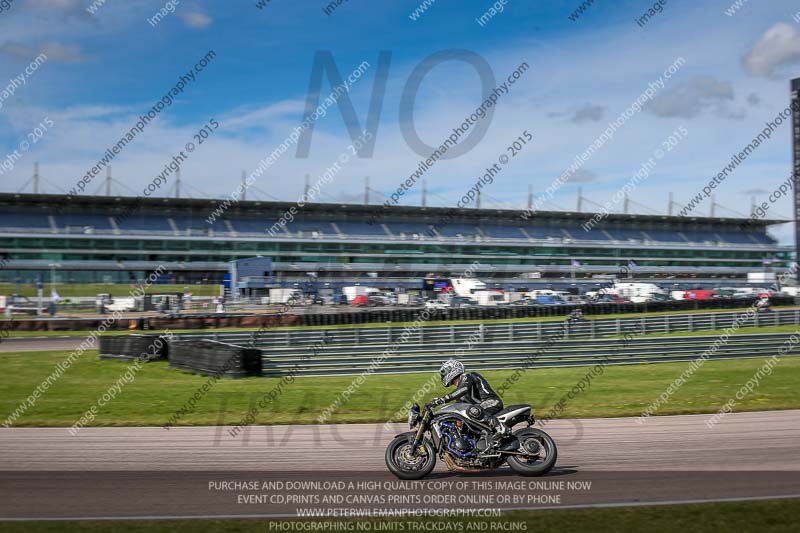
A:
[500, 331]
[510, 345]
[509, 312]
[506, 356]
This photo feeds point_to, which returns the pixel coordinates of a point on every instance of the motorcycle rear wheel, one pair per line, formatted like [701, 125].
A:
[534, 439]
[404, 464]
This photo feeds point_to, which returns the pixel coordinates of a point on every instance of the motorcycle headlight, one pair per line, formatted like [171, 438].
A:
[413, 416]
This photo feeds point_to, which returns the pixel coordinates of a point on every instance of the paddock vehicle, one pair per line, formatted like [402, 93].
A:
[460, 435]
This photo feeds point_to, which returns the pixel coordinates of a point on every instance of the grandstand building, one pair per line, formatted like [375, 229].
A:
[118, 239]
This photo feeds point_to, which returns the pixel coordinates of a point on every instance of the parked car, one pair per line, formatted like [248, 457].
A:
[340, 299]
[610, 299]
[411, 299]
[378, 300]
[463, 301]
[360, 301]
[437, 304]
[699, 294]
[545, 299]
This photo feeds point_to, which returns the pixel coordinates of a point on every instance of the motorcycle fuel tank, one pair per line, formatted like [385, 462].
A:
[456, 408]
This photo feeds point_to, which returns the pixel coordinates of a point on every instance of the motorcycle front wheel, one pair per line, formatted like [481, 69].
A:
[404, 463]
[541, 453]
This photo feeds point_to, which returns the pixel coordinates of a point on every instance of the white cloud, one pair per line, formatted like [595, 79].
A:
[586, 113]
[589, 113]
[195, 19]
[65, 53]
[266, 116]
[582, 175]
[777, 48]
[692, 97]
[58, 8]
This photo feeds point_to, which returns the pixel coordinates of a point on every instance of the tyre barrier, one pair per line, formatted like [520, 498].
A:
[130, 347]
[215, 358]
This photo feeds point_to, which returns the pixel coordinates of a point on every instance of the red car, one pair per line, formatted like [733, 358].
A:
[610, 298]
[699, 295]
[360, 301]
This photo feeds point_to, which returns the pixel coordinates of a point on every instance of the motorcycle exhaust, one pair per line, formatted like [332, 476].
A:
[453, 467]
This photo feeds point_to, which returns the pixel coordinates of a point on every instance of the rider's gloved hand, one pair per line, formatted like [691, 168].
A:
[437, 401]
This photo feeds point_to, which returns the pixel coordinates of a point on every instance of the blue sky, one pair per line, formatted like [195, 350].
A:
[106, 68]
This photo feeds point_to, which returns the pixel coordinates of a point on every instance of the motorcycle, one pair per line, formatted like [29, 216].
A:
[459, 435]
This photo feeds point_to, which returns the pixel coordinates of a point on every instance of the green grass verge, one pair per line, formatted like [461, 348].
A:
[73, 290]
[771, 516]
[158, 391]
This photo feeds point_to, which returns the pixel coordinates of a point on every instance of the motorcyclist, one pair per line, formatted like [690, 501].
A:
[473, 388]
[575, 316]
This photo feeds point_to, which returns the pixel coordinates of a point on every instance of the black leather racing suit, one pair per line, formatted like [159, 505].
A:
[473, 388]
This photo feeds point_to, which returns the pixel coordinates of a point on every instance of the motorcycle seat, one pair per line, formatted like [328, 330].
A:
[510, 408]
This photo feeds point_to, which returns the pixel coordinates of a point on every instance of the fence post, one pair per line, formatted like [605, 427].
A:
[591, 325]
[358, 336]
[713, 321]
[452, 334]
[666, 323]
[690, 322]
[757, 325]
[510, 331]
[538, 331]
[619, 326]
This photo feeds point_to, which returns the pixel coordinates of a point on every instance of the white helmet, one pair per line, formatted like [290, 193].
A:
[450, 370]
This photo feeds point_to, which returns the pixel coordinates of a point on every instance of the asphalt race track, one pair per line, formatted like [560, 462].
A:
[41, 344]
[198, 471]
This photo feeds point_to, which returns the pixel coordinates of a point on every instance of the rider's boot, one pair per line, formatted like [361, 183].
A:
[501, 431]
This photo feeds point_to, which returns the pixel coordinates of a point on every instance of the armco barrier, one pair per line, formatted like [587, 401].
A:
[333, 317]
[129, 347]
[505, 331]
[408, 314]
[337, 361]
[214, 358]
[325, 352]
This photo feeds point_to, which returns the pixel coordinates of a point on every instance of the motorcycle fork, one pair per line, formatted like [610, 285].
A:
[417, 444]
